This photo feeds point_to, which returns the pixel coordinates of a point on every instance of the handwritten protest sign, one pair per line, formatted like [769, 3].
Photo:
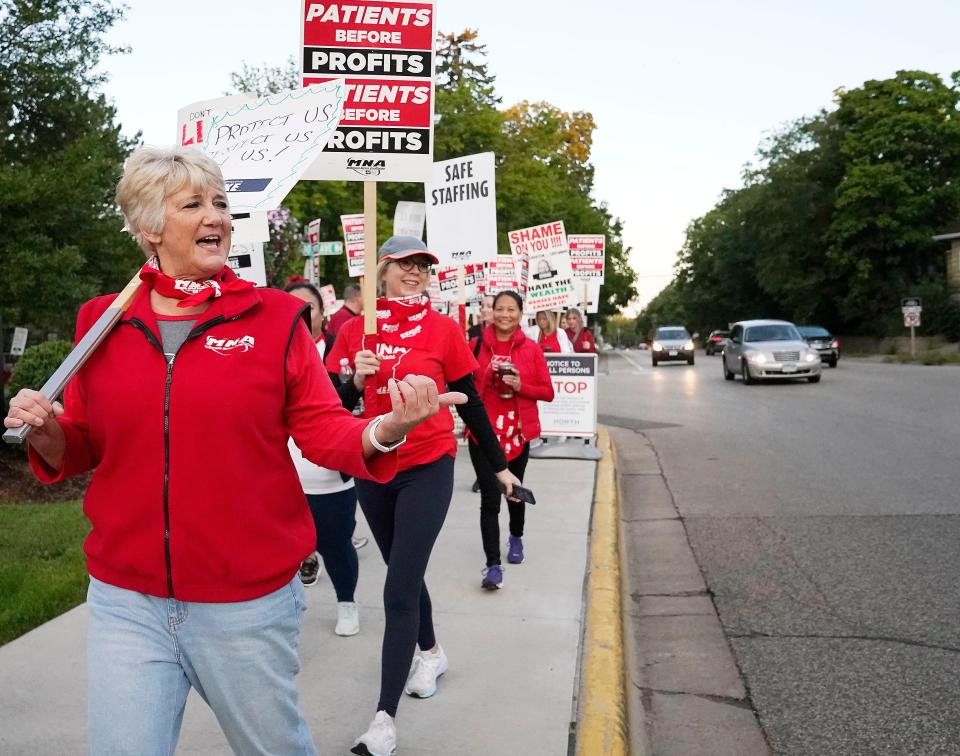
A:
[462, 210]
[193, 120]
[353, 226]
[385, 51]
[587, 255]
[408, 219]
[263, 148]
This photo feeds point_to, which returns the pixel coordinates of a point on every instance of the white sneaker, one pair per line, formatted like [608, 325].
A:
[380, 739]
[424, 672]
[348, 618]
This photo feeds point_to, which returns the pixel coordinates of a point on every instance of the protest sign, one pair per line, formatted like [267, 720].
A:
[593, 296]
[385, 51]
[587, 255]
[246, 260]
[573, 411]
[448, 281]
[313, 231]
[538, 240]
[19, 343]
[353, 238]
[550, 283]
[311, 269]
[250, 227]
[502, 274]
[193, 121]
[328, 298]
[264, 147]
[462, 210]
[408, 219]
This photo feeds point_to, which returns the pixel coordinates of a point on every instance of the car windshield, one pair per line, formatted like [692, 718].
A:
[672, 334]
[810, 332]
[774, 332]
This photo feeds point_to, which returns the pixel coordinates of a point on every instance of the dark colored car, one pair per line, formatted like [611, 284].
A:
[823, 341]
[715, 342]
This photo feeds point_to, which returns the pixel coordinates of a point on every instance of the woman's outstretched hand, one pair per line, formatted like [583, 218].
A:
[413, 399]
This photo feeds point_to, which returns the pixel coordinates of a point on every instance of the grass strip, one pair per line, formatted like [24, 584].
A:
[42, 567]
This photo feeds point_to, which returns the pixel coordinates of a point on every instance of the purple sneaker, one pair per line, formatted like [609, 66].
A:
[492, 577]
[515, 550]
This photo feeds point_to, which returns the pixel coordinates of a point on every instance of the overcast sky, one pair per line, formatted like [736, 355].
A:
[682, 92]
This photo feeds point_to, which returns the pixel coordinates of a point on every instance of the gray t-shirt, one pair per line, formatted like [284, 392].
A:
[174, 333]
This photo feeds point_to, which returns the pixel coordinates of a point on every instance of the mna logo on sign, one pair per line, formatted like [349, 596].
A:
[367, 167]
[225, 346]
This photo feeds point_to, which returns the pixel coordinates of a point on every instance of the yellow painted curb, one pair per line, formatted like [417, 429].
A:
[603, 722]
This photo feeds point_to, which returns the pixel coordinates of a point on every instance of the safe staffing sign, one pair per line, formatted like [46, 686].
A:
[384, 49]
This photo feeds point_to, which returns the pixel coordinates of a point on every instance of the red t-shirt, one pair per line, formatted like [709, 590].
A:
[549, 343]
[340, 318]
[447, 359]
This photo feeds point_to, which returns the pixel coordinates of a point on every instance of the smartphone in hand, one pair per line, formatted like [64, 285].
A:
[520, 494]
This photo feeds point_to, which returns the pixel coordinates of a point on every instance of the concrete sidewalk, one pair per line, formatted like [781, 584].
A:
[513, 653]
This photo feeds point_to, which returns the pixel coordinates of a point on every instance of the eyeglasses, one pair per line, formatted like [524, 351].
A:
[407, 265]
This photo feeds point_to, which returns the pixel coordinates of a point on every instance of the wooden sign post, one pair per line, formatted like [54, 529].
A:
[370, 283]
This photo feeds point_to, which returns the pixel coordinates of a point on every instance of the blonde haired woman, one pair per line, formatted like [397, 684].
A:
[183, 413]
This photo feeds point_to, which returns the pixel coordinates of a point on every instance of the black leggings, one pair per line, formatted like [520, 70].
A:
[335, 517]
[405, 517]
[490, 497]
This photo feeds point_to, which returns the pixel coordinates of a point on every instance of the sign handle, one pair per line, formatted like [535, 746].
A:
[80, 354]
[370, 257]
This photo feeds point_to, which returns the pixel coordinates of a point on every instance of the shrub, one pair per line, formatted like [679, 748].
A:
[37, 364]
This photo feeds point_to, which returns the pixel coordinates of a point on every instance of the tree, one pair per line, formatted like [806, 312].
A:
[60, 154]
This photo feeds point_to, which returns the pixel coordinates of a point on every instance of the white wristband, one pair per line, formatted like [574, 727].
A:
[374, 424]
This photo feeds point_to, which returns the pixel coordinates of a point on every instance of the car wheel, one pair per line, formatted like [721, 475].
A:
[707, 351]
[726, 373]
[690, 361]
[833, 362]
[813, 379]
[748, 380]
[654, 360]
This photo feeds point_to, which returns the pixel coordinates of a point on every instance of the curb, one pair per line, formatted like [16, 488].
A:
[603, 726]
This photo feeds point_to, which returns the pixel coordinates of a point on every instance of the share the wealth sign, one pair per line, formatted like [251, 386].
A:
[384, 49]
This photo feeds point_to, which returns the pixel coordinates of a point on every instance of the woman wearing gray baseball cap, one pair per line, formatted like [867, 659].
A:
[405, 515]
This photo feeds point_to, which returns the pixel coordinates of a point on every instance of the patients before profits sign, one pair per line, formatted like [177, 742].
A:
[462, 210]
[385, 52]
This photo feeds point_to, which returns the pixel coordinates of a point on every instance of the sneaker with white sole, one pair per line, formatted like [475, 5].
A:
[425, 670]
[492, 577]
[380, 739]
[310, 569]
[359, 541]
[348, 618]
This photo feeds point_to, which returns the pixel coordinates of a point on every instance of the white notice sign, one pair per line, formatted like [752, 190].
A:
[462, 210]
[408, 219]
[573, 411]
[19, 343]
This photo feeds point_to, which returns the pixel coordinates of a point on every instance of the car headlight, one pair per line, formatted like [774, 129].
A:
[657, 347]
[812, 356]
[688, 347]
[757, 357]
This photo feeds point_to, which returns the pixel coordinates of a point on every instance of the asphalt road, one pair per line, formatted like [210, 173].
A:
[825, 521]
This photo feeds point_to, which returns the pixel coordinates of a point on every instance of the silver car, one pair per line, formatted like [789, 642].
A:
[672, 343]
[762, 349]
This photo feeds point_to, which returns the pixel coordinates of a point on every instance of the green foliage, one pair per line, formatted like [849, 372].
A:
[543, 163]
[60, 154]
[834, 223]
[37, 364]
[42, 568]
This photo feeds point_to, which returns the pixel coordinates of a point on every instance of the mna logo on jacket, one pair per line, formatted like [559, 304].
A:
[226, 346]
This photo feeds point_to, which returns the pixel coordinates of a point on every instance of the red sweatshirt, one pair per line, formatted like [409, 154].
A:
[194, 493]
[535, 384]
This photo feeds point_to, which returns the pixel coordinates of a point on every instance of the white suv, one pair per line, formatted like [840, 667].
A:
[762, 349]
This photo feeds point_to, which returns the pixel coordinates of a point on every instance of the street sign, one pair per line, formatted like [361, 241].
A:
[911, 319]
[911, 302]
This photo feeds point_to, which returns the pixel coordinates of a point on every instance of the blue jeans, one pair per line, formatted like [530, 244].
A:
[145, 653]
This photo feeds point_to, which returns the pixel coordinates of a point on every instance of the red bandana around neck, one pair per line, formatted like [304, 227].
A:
[400, 321]
[193, 293]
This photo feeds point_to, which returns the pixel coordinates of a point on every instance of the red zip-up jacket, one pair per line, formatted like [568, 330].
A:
[194, 494]
[535, 384]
